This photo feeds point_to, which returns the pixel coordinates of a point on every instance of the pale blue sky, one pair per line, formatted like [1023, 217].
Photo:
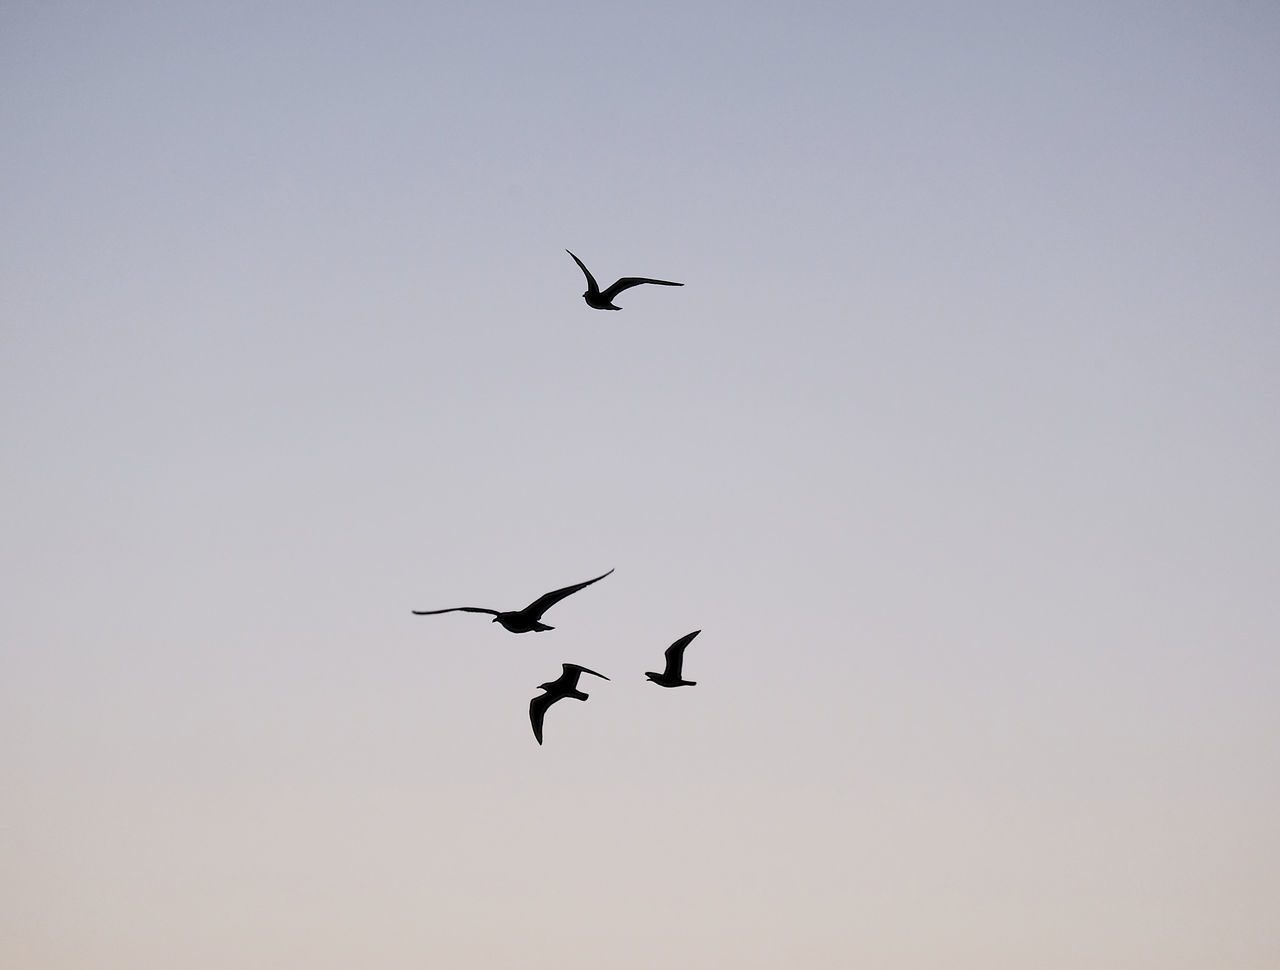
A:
[960, 445]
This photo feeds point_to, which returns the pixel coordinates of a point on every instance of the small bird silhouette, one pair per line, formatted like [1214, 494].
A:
[673, 676]
[526, 620]
[566, 685]
[603, 299]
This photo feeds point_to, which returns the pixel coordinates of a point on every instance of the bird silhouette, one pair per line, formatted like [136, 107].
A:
[673, 676]
[521, 621]
[603, 299]
[566, 685]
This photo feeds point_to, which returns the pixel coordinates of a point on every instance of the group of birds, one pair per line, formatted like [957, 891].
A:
[529, 619]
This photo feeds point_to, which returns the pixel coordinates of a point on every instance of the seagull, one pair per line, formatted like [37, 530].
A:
[526, 620]
[603, 299]
[673, 675]
[566, 685]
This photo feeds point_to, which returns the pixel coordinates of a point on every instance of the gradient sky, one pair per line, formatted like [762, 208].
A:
[961, 446]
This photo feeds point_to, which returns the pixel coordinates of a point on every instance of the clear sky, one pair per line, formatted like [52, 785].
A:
[961, 445]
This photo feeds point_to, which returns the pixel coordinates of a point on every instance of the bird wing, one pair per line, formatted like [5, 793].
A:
[674, 654]
[576, 669]
[456, 609]
[629, 281]
[592, 286]
[548, 600]
[538, 709]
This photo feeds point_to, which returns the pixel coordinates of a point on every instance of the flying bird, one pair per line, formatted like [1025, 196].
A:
[673, 676]
[603, 299]
[521, 621]
[566, 685]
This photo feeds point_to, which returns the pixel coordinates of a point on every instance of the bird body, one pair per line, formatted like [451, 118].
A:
[566, 685]
[673, 675]
[599, 299]
[527, 620]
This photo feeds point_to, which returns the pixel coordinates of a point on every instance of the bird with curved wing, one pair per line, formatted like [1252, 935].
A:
[526, 620]
[603, 299]
[566, 685]
[673, 675]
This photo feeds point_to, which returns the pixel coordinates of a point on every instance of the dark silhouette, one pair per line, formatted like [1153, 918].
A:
[521, 621]
[603, 299]
[673, 676]
[566, 685]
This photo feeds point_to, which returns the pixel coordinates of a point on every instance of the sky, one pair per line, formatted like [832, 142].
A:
[959, 445]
